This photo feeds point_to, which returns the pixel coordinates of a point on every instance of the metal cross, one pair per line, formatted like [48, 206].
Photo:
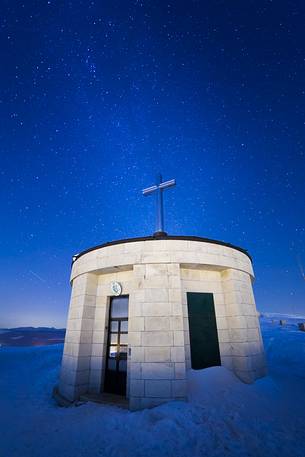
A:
[159, 187]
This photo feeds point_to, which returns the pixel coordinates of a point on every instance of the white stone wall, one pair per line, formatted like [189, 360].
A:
[244, 339]
[156, 337]
[100, 328]
[75, 369]
[239, 335]
[157, 274]
[207, 281]
[126, 255]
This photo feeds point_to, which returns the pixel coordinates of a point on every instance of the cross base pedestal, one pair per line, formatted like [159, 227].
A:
[160, 234]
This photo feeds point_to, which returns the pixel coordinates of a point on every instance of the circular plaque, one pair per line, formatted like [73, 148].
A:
[116, 288]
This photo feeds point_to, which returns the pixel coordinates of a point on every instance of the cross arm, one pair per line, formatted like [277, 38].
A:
[149, 190]
[166, 184]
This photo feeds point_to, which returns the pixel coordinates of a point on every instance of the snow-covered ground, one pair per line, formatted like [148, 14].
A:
[224, 417]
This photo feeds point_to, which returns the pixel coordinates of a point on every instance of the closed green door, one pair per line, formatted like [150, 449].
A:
[203, 330]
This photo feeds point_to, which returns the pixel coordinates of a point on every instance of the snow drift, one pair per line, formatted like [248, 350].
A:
[223, 418]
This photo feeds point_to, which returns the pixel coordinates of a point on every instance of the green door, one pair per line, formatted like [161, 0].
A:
[203, 330]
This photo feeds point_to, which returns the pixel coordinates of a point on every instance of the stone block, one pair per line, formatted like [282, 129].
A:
[242, 363]
[83, 363]
[136, 388]
[86, 337]
[190, 274]
[137, 354]
[157, 388]
[173, 269]
[176, 323]
[174, 282]
[139, 271]
[233, 298]
[176, 309]
[226, 361]
[75, 312]
[225, 349]
[240, 349]
[178, 338]
[252, 322]
[156, 257]
[157, 309]
[253, 334]
[91, 284]
[88, 325]
[156, 295]
[96, 363]
[85, 350]
[136, 324]
[180, 370]
[239, 335]
[157, 354]
[255, 347]
[186, 337]
[234, 310]
[74, 325]
[71, 349]
[67, 376]
[157, 323]
[221, 323]
[89, 300]
[157, 338]
[155, 282]
[102, 298]
[69, 363]
[97, 350]
[135, 370]
[223, 336]
[73, 336]
[134, 339]
[99, 325]
[174, 295]
[101, 314]
[186, 324]
[99, 337]
[160, 370]
[220, 311]
[177, 354]
[237, 322]
[135, 308]
[82, 377]
[159, 270]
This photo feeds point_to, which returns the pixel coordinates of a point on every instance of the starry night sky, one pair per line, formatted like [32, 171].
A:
[97, 97]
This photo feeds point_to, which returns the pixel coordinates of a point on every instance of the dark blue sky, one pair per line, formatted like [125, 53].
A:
[97, 97]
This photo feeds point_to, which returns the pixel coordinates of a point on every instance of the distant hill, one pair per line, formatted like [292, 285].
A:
[33, 329]
[31, 336]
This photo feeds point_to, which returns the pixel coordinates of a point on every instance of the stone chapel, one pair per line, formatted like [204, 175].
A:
[144, 311]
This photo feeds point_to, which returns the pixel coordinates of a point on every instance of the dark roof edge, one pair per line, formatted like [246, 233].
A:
[165, 237]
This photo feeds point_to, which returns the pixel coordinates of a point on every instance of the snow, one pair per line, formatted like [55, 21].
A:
[223, 418]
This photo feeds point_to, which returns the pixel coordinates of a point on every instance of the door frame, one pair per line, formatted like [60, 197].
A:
[108, 328]
[192, 335]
